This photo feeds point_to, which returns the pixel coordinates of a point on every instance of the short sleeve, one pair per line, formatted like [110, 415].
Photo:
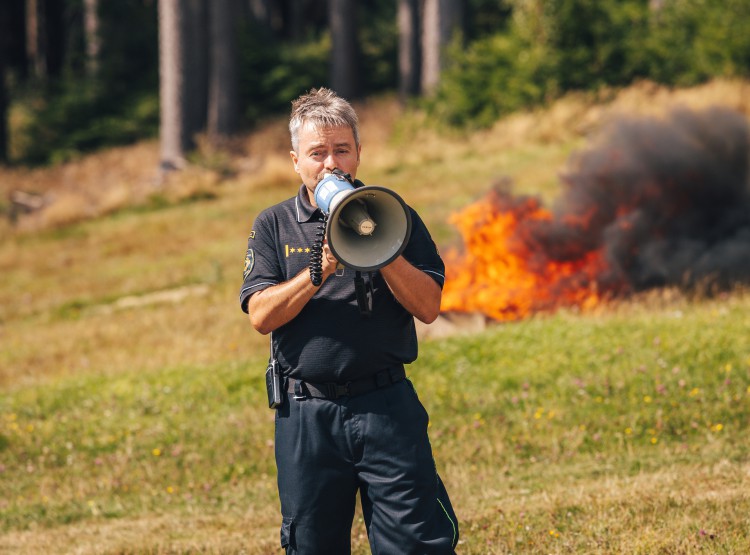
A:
[262, 268]
[422, 252]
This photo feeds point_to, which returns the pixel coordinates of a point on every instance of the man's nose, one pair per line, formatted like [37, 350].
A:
[330, 162]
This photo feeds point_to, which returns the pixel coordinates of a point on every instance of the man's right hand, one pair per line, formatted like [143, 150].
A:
[329, 262]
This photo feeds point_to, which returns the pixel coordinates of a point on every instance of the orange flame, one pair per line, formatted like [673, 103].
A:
[503, 274]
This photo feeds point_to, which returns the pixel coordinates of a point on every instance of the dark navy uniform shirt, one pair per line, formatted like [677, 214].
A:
[329, 341]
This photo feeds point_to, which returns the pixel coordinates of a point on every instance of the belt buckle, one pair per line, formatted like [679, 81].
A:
[331, 392]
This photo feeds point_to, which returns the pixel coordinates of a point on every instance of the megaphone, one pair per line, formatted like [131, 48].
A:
[367, 227]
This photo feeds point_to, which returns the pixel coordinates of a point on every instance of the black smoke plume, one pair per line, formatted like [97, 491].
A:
[666, 200]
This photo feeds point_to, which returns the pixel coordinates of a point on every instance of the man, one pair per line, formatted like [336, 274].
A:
[349, 420]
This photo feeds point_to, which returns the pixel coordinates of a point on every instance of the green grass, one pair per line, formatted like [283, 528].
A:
[624, 431]
[133, 444]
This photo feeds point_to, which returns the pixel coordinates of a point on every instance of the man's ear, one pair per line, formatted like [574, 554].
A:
[295, 158]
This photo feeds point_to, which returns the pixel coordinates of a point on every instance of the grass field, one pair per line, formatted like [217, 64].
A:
[132, 414]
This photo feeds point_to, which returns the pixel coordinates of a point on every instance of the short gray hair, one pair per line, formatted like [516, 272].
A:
[322, 108]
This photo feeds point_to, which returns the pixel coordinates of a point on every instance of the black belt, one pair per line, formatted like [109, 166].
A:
[332, 390]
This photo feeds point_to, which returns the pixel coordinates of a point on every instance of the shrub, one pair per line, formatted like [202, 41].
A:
[79, 116]
[492, 77]
[692, 41]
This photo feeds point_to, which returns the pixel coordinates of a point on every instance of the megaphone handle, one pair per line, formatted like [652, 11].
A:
[364, 293]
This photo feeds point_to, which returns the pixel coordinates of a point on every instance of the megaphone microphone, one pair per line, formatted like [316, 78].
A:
[355, 216]
[367, 227]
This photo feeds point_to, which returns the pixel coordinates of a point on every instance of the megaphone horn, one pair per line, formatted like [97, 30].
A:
[368, 227]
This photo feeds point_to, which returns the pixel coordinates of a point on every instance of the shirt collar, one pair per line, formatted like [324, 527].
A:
[305, 210]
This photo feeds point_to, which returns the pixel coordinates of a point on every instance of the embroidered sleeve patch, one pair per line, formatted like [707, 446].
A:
[249, 263]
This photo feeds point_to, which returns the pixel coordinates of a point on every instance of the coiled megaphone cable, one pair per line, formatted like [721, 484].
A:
[316, 253]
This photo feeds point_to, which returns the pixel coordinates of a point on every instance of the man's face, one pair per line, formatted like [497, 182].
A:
[323, 150]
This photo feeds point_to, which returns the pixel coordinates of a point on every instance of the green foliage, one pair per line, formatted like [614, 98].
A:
[274, 73]
[130, 50]
[486, 17]
[691, 41]
[491, 77]
[595, 41]
[515, 54]
[77, 116]
[555, 46]
[378, 44]
[61, 116]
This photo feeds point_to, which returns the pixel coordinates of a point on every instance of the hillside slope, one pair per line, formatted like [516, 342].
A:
[131, 402]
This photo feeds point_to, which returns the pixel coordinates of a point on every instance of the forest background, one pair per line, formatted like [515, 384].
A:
[132, 415]
[82, 74]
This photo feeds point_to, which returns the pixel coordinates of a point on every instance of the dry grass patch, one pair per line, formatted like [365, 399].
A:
[677, 509]
[156, 535]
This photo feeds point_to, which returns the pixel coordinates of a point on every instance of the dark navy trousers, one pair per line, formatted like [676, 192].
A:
[377, 444]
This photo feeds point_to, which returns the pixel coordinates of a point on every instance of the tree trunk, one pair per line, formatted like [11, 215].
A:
[174, 135]
[295, 23]
[92, 37]
[223, 104]
[4, 46]
[15, 41]
[342, 21]
[440, 20]
[183, 74]
[195, 64]
[408, 49]
[54, 36]
[35, 47]
[3, 112]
